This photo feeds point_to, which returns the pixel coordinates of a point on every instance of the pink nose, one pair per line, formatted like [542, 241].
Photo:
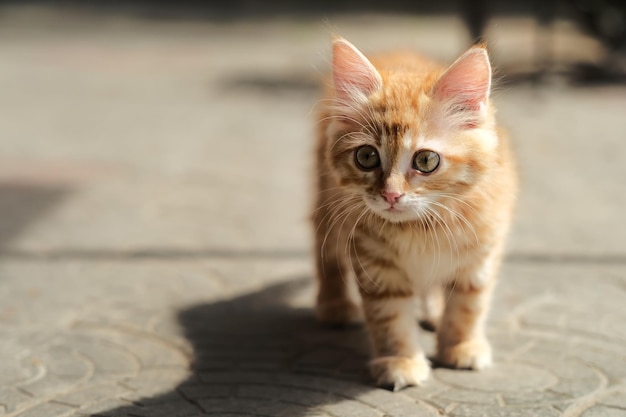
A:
[392, 197]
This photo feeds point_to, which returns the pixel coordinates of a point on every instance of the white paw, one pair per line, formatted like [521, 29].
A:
[397, 372]
[471, 354]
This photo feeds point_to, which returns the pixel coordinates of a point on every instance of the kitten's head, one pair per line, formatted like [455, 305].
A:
[409, 138]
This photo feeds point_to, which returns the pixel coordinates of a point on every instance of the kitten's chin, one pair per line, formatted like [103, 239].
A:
[395, 215]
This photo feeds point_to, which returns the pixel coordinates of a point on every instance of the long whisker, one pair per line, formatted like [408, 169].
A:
[333, 208]
[455, 277]
[457, 215]
[451, 237]
[356, 254]
[428, 226]
[341, 212]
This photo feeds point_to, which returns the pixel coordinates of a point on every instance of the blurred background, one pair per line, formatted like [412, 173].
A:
[186, 126]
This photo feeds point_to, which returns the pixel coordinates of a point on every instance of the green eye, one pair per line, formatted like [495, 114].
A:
[426, 161]
[367, 158]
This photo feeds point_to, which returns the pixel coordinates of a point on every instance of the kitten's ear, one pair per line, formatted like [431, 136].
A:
[354, 76]
[467, 82]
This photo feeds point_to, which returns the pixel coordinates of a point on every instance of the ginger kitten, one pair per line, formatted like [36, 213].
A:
[415, 189]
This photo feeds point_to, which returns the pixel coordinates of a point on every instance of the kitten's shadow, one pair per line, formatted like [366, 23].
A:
[256, 355]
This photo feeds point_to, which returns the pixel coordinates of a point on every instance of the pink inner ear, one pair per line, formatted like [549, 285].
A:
[467, 82]
[353, 74]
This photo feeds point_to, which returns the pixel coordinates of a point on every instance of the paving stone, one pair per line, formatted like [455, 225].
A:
[152, 352]
[157, 378]
[93, 394]
[205, 391]
[602, 411]
[448, 387]
[466, 396]
[610, 364]
[617, 400]
[19, 366]
[12, 399]
[266, 392]
[63, 361]
[47, 409]
[110, 407]
[467, 410]
[308, 398]
[576, 388]
[394, 405]
[175, 408]
[50, 385]
[503, 378]
[428, 389]
[151, 395]
[287, 394]
[563, 367]
[536, 397]
[282, 409]
[105, 356]
[230, 405]
[352, 408]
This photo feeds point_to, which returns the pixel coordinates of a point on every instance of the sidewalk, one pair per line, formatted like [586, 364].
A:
[154, 244]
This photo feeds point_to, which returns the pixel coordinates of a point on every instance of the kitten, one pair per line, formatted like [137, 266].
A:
[416, 186]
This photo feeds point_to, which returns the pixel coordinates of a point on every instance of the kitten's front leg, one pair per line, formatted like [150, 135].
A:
[461, 339]
[390, 315]
[432, 308]
[335, 306]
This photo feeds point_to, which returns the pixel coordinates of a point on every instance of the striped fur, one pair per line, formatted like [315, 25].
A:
[443, 239]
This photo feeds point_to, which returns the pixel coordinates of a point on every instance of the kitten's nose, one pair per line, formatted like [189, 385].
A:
[392, 197]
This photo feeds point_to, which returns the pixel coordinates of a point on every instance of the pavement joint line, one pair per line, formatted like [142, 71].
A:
[94, 255]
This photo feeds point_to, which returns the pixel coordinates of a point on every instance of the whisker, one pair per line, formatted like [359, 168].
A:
[356, 254]
[459, 216]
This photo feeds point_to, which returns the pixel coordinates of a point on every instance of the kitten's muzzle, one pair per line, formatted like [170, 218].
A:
[391, 197]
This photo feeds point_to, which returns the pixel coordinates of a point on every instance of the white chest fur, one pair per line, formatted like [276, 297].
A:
[430, 258]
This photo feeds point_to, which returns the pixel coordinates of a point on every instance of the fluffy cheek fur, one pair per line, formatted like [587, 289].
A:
[463, 159]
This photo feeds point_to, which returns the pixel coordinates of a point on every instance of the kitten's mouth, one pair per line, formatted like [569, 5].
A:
[395, 213]
[386, 207]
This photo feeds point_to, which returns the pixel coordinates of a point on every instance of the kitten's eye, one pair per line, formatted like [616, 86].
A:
[426, 161]
[367, 158]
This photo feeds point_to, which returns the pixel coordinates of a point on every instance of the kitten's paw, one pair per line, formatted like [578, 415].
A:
[471, 354]
[339, 313]
[397, 372]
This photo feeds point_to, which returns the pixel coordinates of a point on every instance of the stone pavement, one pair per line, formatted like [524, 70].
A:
[154, 242]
